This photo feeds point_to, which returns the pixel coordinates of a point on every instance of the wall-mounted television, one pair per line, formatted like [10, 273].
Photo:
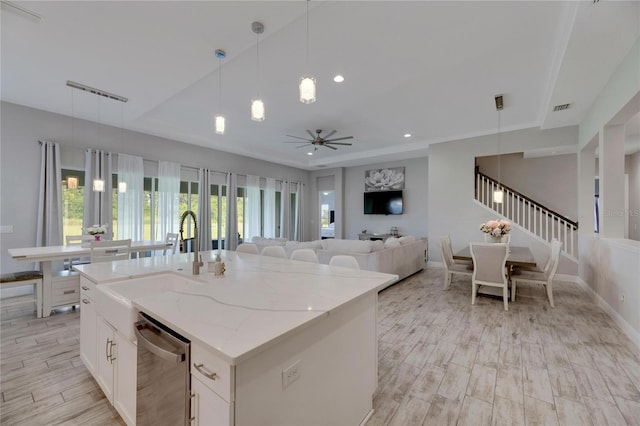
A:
[383, 202]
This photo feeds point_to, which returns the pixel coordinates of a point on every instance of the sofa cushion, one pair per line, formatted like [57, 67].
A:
[377, 245]
[408, 239]
[305, 244]
[392, 242]
[347, 246]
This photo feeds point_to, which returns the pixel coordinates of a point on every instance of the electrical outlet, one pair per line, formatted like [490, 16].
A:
[291, 374]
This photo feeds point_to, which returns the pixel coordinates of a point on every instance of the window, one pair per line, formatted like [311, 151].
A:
[73, 186]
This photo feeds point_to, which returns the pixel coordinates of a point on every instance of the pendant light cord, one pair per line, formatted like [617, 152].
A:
[499, 153]
[308, 34]
[257, 65]
[220, 85]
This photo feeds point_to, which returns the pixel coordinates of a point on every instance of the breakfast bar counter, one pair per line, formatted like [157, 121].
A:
[291, 342]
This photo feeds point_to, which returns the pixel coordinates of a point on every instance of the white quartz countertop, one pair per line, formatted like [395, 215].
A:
[259, 301]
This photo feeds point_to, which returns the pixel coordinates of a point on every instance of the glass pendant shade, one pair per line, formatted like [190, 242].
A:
[72, 182]
[307, 90]
[220, 124]
[257, 110]
[498, 196]
[122, 187]
[98, 185]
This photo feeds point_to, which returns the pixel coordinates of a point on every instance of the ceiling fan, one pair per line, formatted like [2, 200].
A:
[317, 140]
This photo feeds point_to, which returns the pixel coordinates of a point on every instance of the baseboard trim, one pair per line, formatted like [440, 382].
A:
[632, 334]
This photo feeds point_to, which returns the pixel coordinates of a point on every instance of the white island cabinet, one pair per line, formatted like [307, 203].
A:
[273, 342]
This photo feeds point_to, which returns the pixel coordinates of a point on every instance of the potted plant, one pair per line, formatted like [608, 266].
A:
[496, 229]
[97, 231]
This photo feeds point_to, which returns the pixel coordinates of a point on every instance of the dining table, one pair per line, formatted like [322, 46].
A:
[519, 256]
[62, 288]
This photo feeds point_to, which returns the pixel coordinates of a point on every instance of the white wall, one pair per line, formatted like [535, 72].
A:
[413, 221]
[452, 210]
[550, 181]
[632, 168]
[22, 127]
[609, 267]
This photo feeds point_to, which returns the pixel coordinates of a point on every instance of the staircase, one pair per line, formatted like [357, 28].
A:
[530, 216]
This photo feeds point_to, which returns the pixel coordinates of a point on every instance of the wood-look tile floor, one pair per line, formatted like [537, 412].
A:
[441, 362]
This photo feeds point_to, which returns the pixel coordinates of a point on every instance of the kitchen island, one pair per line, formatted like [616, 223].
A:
[289, 342]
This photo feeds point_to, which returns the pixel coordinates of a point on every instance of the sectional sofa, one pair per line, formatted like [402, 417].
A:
[401, 256]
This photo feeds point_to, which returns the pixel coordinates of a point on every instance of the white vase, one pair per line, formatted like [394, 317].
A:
[495, 239]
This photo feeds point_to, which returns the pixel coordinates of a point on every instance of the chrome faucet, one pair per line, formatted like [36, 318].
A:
[197, 261]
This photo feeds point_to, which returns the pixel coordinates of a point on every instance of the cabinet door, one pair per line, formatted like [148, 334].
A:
[105, 362]
[88, 341]
[126, 361]
[207, 408]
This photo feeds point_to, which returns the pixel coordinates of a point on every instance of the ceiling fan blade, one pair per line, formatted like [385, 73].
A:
[339, 139]
[329, 146]
[311, 134]
[338, 143]
[297, 141]
[302, 146]
[328, 135]
[298, 137]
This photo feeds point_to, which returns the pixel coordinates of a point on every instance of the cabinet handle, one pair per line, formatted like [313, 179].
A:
[194, 411]
[86, 301]
[106, 348]
[84, 287]
[113, 358]
[205, 372]
[69, 292]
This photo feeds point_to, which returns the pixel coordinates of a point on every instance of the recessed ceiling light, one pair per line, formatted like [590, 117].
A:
[338, 78]
[309, 153]
[407, 135]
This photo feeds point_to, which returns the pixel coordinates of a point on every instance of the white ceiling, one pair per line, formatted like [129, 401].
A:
[425, 67]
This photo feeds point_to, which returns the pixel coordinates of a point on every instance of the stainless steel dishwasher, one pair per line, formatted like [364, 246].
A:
[163, 388]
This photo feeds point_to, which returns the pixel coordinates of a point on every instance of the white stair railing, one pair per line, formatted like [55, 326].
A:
[529, 215]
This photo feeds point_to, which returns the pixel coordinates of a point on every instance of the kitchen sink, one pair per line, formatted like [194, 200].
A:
[114, 300]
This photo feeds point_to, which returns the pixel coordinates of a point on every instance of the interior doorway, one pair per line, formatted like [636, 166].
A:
[327, 203]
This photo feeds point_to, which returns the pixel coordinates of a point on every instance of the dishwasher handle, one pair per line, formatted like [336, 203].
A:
[158, 335]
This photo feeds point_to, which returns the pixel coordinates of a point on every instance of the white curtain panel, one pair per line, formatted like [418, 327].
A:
[298, 234]
[231, 233]
[270, 209]
[204, 209]
[168, 198]
[285, 210]
[98, 205]
[252, 208]
[49, 226]
[131, 202]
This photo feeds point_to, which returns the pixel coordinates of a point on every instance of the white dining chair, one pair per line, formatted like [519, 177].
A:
[305, 255]
[75, 240]
[450, 265]
[172, 238]
[489, 268]
[344, 261]
[109, 251]
[274, 251]
[544, 276]
[247, 248]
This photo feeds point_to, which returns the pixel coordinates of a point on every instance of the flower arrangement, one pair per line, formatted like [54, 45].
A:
[97, 229]
[496, 228]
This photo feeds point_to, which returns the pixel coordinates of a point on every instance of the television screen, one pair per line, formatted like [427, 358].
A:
[383, 202]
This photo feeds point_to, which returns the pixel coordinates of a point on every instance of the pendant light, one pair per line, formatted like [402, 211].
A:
[220, 122]
[257, 106]
[122, 186]
[98, 184]
[498, 194]
[307, 86]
